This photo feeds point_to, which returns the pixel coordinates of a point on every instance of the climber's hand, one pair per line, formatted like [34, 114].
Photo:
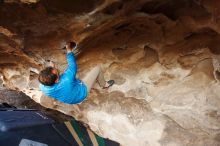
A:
[70, 46]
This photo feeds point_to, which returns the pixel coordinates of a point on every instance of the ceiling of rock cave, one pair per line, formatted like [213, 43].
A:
[163, 54]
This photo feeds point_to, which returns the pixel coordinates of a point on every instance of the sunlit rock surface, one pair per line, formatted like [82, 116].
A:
[163, 55]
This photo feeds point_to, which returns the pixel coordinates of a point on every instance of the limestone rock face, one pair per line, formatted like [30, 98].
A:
[163, 55]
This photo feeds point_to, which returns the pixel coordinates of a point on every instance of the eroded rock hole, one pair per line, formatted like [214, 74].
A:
[169, 8]
[113, 8]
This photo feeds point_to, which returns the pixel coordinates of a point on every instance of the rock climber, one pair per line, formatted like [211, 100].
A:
[66, 87]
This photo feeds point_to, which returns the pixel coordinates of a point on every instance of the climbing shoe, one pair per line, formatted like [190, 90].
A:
[109, 84]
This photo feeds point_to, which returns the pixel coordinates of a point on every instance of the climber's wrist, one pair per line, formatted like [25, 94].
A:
[68, 51]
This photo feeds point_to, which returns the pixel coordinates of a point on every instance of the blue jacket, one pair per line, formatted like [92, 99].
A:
[68, 89]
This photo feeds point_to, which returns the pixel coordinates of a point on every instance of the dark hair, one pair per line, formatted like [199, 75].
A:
[47, 77]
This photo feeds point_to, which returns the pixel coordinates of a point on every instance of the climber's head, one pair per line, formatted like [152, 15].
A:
[49, 76]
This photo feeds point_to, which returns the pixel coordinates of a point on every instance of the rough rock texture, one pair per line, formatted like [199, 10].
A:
[163, 55]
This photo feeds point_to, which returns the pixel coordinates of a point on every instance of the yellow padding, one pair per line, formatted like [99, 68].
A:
[73, 132]
[92, 137]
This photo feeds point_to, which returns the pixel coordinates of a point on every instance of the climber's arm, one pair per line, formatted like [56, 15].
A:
[72, 67]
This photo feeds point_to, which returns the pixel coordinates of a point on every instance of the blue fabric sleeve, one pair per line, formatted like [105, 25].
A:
[72, 67]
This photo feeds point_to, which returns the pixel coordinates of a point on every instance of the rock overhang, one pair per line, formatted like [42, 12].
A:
[166, 66]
